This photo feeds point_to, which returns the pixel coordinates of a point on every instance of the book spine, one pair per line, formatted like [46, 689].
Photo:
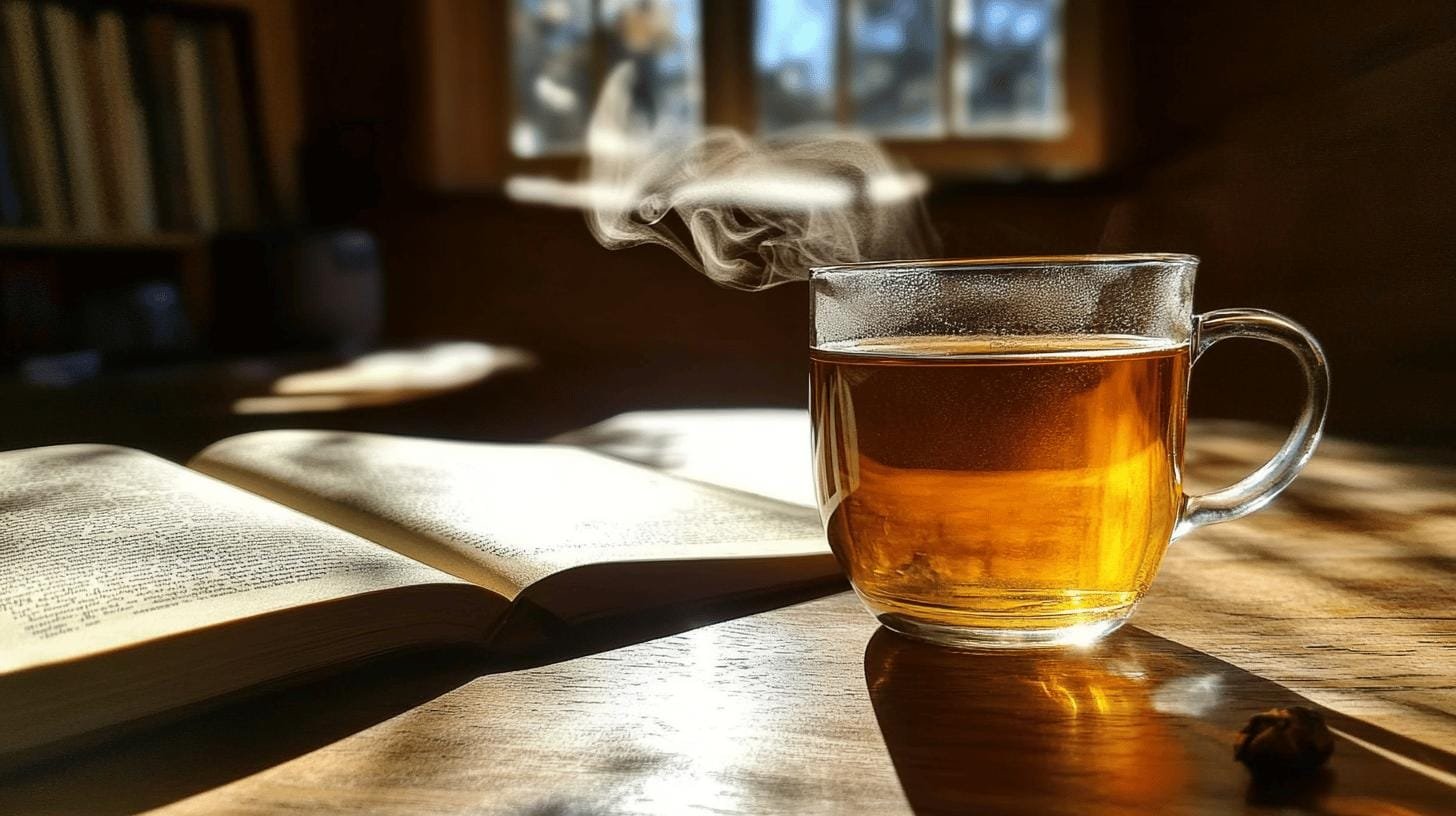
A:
[212, 125]
[239, 193]
[11, 128]
[124, 117]
[153, 51]
[36, 148]
[73, 104]
[12, 211]
[103, 137]
[192, 110]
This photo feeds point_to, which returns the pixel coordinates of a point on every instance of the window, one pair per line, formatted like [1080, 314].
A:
[883, 66]
[561, 48]
[663, 41]
[878, 65]
[1000, 88]
[1007, 77]
[895, 67]
[552, 68]
[794, 62]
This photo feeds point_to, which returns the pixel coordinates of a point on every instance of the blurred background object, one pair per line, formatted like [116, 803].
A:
[320, 291]
[201, 197]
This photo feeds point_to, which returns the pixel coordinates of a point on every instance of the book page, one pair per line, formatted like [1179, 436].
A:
[103, 547]
[506, 516]
[767, 451]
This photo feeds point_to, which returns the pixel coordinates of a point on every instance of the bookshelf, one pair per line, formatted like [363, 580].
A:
[130, 134]
[17, 238]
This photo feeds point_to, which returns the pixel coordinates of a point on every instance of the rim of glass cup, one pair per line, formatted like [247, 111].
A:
[1009, 263]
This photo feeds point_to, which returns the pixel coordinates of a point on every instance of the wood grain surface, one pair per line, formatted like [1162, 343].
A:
[1343, 589]
[1338, 596]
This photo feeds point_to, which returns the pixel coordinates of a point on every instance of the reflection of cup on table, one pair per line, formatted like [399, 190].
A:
[1039, 731]
[998, 444]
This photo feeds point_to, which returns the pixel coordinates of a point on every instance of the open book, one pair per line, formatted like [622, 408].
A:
[133, 586]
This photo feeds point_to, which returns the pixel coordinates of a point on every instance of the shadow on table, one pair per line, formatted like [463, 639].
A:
[199, 750]
[1135, 724]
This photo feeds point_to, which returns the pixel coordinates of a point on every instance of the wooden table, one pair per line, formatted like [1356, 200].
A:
[1340, 596]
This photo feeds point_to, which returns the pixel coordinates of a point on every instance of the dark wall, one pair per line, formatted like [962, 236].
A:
[1306, 151]
[486, 267]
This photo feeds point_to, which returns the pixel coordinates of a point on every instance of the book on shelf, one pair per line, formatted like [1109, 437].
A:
[72, 103]
[232, 153]
[108, 181]
[12, 213]
[125, 120]
[38, 162]
[192, 116]
[157, 58]
[126, 123]
[138, 587]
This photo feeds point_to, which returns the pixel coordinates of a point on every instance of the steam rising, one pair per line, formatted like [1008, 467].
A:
[747, 214]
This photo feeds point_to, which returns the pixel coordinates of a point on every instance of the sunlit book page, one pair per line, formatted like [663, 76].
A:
[757, 450]
[506, 516]
[106, 547]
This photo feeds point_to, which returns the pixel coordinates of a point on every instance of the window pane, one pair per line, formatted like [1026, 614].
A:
[895, 65]
[552, 67]
[1008, 73]
[794, 57]
[660, 38]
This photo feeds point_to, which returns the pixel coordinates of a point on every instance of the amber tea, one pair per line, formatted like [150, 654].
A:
[998, 442]
[992, 483]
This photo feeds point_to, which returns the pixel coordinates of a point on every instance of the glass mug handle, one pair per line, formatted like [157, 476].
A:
[1258, 488]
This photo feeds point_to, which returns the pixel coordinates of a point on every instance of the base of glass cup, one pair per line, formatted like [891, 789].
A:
[978, 637]
[971, 628]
